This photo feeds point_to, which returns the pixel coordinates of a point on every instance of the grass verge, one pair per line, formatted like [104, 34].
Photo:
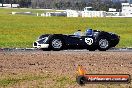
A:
[22, 30]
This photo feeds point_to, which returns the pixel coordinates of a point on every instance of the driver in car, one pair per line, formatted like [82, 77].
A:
[89, 32]
[78, 33]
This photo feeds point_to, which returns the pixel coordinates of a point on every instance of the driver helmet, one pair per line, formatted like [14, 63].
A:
[89, 32]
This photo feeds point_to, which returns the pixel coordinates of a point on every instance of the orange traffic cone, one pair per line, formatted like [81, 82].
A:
[81, 70]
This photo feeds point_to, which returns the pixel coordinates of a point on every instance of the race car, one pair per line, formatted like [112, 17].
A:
[90, 39]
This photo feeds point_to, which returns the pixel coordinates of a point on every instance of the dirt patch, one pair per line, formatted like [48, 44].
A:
[62, 65]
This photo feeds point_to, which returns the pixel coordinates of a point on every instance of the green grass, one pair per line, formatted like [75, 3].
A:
[22, 30]
[9, 81]
[40, 81]
[49, 81]
[61, 82]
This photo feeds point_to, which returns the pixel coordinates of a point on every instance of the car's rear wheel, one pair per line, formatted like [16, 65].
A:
[56, 44]
[103, 44]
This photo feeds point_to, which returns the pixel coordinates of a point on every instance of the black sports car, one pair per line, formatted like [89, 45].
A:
[100, 40]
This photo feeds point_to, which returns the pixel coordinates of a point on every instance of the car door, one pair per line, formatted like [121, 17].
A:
[73, 40]
[78, 42]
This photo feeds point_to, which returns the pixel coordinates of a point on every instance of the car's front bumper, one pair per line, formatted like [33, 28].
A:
[37, 45]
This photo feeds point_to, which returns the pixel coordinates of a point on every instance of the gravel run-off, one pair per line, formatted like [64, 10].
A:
[63, 65]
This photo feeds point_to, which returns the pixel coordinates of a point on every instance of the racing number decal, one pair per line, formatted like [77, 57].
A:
[89, 41]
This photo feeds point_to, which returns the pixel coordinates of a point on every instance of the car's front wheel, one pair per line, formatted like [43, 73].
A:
[56, 44]
[103, 44]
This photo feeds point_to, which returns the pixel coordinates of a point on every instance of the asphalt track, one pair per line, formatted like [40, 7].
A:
[69, 50]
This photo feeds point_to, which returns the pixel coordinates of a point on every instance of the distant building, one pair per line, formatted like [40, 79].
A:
[88, 9]
[89, 12]
[112, 10]
[9, 5]
[127, 9]
[72, 13]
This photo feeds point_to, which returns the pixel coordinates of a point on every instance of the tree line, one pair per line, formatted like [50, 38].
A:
[66, 4]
